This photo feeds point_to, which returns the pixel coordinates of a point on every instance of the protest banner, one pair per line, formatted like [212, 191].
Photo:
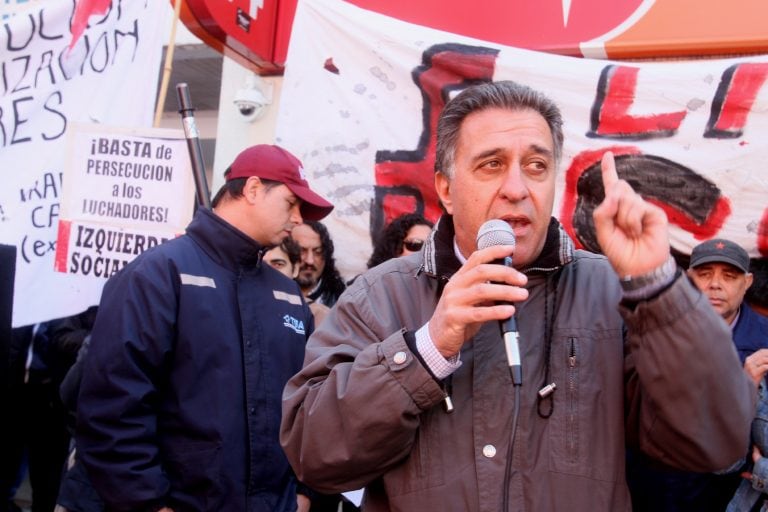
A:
[126, 191]
[362, 93]
[62, 64]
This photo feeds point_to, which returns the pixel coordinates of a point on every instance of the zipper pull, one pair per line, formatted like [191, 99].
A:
[448, 388]
[448, 404]
[572, 354]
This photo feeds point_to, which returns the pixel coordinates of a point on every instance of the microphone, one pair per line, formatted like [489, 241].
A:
[498, 232]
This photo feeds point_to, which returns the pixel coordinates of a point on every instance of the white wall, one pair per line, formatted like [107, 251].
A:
[234, 133]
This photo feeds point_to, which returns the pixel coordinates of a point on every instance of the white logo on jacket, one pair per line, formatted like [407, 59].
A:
[294, 323]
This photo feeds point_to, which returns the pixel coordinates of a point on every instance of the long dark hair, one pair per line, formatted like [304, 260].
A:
[389, 243]
[332, 284]
[757, 294]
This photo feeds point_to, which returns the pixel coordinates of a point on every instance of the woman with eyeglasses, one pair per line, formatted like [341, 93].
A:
[404, 235]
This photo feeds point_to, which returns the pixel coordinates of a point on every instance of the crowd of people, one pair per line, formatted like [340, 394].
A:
[234, 369]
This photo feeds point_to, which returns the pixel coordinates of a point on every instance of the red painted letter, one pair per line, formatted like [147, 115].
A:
[610, 117]
[733, 100]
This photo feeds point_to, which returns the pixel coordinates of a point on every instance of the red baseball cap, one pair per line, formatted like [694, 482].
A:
[271, 162]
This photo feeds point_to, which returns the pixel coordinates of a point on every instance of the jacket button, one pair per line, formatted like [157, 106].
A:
[400, 357]
[489, 451]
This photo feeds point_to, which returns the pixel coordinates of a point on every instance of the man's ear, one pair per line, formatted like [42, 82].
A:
[443, 188]
[750, 280]
[251, 188]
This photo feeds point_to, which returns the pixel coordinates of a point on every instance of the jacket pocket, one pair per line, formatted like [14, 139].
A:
[423, 469]
[194, 472]
[586, 429]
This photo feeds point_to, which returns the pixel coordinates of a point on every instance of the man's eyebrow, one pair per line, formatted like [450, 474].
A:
[541, 150]
[487, 153]
[532, 148]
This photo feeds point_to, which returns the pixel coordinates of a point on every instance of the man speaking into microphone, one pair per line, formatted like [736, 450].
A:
[407, 390]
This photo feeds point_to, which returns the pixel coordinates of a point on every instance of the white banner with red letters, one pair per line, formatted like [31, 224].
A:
[63, 63]
[362, 93]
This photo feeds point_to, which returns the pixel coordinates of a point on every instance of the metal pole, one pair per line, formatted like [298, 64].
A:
[193, 145]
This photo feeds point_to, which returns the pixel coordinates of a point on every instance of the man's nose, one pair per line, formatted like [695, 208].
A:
[296, 217]
[716, 283]
[514, 187]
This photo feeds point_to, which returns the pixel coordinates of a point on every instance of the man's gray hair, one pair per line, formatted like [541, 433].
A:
[506, 95]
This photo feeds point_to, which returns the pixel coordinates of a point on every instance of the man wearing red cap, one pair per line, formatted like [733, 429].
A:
[194, 341]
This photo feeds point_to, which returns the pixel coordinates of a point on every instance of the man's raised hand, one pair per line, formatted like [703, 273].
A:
[632, 233]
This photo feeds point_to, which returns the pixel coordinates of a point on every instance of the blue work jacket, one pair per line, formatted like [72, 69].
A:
[181, 393]
[750, 333]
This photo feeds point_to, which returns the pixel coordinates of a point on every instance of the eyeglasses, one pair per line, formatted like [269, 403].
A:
[413, 245]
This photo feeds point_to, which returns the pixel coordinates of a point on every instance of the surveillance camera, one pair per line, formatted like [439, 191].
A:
[251, 103]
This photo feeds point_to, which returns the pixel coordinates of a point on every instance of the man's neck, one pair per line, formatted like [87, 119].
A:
[312, 289]
[734, 319]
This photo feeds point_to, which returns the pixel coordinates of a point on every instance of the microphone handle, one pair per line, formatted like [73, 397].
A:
[511, 342]
[512, 347]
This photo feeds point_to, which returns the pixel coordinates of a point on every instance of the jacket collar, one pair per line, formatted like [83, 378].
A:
[223, 242]
[439, 259]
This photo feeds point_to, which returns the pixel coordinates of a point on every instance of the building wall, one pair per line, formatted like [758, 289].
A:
[234, 133]
[224, 132]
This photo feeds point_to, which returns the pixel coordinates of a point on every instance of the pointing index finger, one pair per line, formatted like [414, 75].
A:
[608, 167]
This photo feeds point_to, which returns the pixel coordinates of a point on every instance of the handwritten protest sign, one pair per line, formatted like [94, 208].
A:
[58, 68]
[125, 192]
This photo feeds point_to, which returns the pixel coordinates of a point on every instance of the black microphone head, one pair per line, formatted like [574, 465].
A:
[495, 232]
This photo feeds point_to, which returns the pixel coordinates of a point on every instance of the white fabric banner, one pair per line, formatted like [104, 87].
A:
[362, 93]
[50, 78]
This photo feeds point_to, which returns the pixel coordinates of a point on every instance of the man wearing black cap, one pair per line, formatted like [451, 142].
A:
[194, 341]
[720, 269]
